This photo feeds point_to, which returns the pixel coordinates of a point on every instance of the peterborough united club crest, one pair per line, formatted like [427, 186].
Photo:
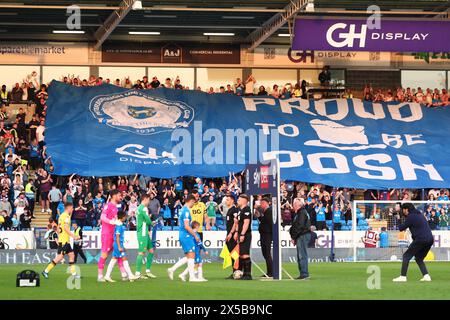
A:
[137, 112]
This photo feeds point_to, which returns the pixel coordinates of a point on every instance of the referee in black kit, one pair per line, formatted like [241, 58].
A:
[231, 219]
[264, 215]
[422, 241]
[244, 236]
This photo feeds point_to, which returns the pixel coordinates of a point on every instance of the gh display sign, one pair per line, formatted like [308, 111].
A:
[357, 35]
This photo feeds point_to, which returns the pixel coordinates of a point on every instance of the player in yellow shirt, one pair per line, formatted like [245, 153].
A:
[198, 213]
[64, 247]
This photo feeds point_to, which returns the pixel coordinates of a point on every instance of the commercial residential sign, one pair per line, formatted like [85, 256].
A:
[174, 53]
[358, 35]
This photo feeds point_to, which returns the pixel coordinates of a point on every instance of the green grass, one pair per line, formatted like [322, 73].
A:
[328, 281]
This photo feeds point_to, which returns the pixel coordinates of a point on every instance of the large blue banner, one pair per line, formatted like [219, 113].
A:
[108, 131]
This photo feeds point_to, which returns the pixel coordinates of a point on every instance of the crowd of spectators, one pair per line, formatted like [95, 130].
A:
[26, 171]
[30, 91]
[428, 97]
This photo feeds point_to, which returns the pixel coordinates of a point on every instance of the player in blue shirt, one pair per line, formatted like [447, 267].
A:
[188, 239]
[198, 256]
[119, 252]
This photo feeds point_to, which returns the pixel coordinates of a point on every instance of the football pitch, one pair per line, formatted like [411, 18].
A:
[328, 281]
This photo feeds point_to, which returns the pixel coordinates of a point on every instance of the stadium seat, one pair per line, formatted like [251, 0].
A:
[87, 228]
[213, 228]
[166, 228]
[175, 228]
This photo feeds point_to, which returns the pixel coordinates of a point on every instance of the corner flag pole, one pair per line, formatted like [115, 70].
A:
[354, 224]
[332, 227]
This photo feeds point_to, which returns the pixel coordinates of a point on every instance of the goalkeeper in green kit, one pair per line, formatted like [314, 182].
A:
[144, 223]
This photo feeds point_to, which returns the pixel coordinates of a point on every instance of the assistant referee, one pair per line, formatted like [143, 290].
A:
[422, 241]
[231, 225]
[244, 236]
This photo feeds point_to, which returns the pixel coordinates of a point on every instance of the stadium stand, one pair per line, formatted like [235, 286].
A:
[25, 186]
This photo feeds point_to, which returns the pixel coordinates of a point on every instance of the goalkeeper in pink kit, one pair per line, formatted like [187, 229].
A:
[109, 222]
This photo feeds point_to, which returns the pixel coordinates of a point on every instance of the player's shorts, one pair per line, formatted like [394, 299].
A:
[64, 248]
[187, 243]
[244, 247]
[198, 257]
[107, 243]
[117, 254]
[145, 243]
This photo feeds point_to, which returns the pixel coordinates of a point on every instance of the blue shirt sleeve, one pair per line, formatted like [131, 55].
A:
[185, 214]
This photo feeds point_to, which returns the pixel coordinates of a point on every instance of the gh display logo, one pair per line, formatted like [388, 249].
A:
[348, 38]
[300, 56]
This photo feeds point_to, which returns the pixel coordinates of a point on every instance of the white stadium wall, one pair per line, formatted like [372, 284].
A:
[269, 77]
[424, 78]
[216, 77]
[50, 73]
[9, 75]
[187, 75]
[121, 73]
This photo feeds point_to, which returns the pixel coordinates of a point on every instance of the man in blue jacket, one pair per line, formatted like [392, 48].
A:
[422, 241]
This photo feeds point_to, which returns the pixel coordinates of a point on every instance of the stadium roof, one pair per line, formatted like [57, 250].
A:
[180, 20]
